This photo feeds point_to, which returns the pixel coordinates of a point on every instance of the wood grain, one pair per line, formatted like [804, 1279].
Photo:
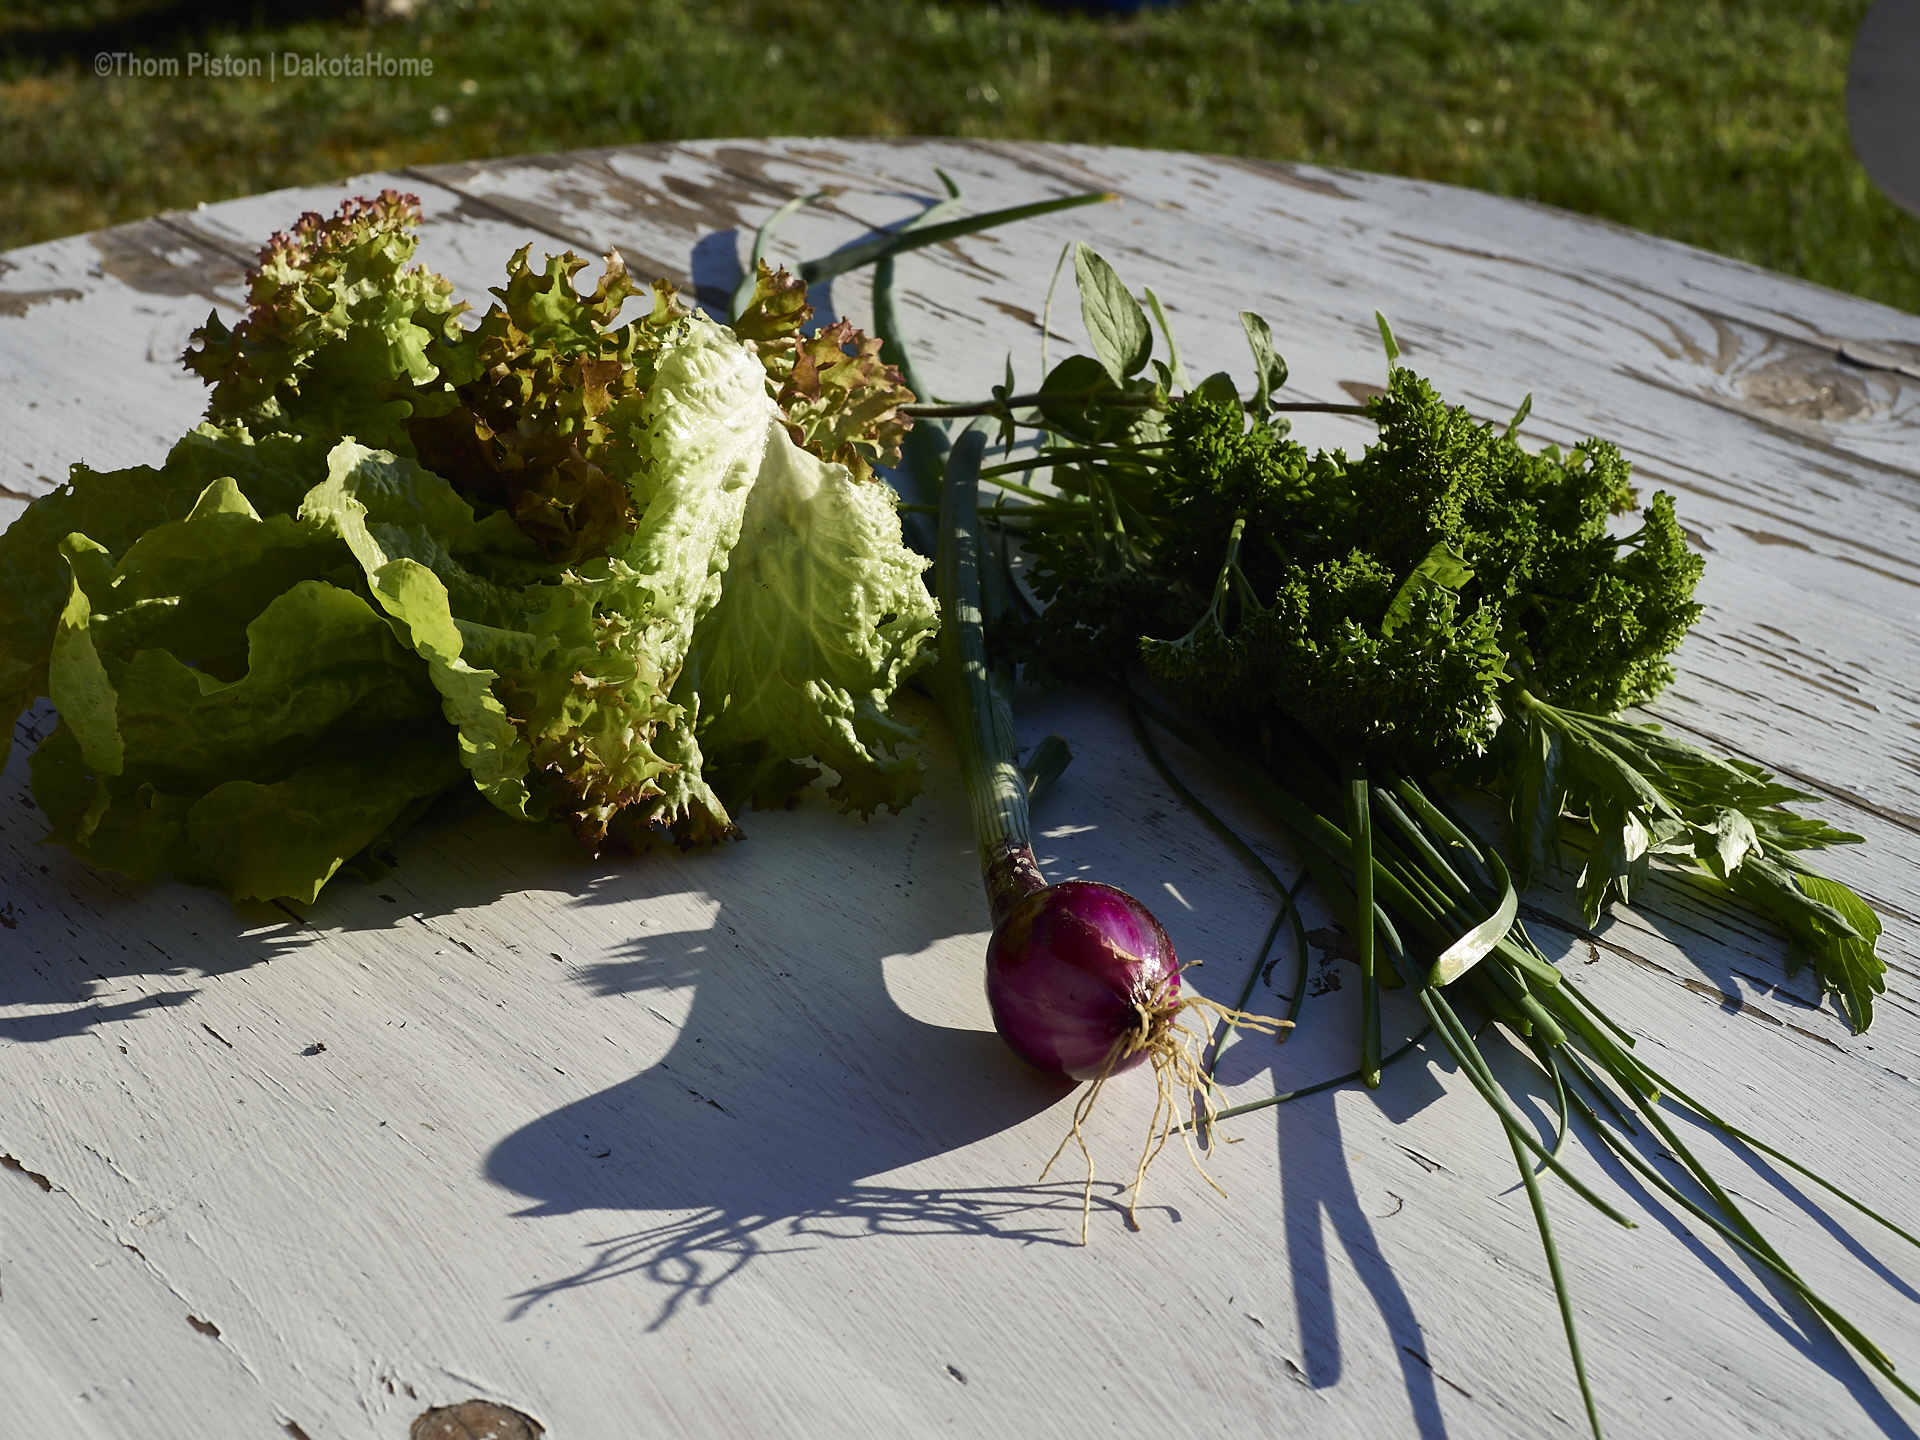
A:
[723, 1144]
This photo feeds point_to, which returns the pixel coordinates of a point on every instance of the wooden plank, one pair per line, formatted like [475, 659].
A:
[723, 1142]
[134, 293]
[72, 1294]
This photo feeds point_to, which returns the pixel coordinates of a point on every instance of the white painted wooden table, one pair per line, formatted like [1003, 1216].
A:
[723, 1144]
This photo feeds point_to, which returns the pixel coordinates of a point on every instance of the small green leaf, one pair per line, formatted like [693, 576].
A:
[1077, 376]
[1520, 415]
[1847, 965]
[1828, 924]
[1176, 371]
[1219, 387]
[1269, 370]
[78, 683]
[1004, 392]
[1609, 770]
[1386, 339]
[1048, 762]
[1674, 836]
[1725, 842]
[1116, 324]
[762, 238]
[1792, 906]
[1441, 570]
[1620, 861]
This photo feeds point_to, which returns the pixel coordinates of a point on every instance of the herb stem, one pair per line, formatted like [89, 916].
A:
[1473, 1065]
[1347, 1079]
[1560, 1290]
[1437, 864]
[1066, 457]
[1736, 1230]
[1735, 1132]
[1090, 399]
[1014, 487]
[910, 237]
[1360, 826]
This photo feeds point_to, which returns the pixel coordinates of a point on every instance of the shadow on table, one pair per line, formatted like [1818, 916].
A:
[716, 269]
[1768, 1297]
[858, 1089]
[1770, 1300]
[1318, 1197]
[717, 266]
[716, 1176]
[69, 932]
[1738, 950]
[1320, 1205]
[845, 1086]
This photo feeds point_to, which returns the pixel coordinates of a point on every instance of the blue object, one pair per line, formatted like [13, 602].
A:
[1111, 7]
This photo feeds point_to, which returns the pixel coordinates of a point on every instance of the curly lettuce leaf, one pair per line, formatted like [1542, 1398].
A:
[592, 697]
[545, 423]
[822, 617]
[843, 401]
[776, 311]
[339, 329]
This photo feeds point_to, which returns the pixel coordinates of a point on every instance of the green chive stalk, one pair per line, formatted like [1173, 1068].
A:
[1515, 982]
[1360, 824]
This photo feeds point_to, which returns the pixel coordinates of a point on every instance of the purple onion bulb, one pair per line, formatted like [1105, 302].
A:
[1073, 971]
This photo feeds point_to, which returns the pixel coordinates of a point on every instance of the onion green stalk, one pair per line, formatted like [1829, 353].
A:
[975, 700]
[1081, 979]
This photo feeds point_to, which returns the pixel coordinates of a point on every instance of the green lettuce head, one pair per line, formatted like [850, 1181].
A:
[558, 559]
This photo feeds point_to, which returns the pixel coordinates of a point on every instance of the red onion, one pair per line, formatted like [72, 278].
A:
[1081, 978]
[1075, 969]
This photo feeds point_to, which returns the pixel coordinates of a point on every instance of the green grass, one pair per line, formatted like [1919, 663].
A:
[1720, 124]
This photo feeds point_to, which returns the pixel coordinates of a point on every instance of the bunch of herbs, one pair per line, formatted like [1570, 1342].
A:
[1358, 643]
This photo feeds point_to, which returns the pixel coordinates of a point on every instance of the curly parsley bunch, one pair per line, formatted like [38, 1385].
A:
[1384, 602]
